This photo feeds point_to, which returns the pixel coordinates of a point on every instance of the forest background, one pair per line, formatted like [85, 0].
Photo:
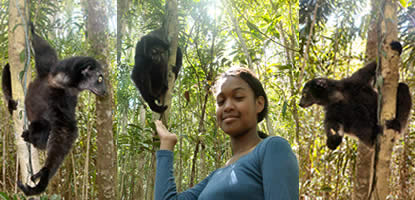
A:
[285, 43]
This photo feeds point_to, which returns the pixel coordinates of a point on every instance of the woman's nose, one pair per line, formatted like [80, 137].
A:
[228, 105]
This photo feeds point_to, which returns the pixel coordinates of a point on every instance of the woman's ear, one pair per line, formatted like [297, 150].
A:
[260, 101]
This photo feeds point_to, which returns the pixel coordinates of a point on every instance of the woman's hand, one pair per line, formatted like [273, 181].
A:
[167, 139]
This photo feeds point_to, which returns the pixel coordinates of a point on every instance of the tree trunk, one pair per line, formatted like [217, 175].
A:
[5, 126]
[122, 8]
[152, 176]
[140, 162]
[85, 181]
[173, 33]
[362, 173]
[238, 31]
[18, 40]
[97, 27]
[404, 168]
[309, 39]
[390, 73]
[170, 27]
[373, 33]
[194, 165]
[365, 154]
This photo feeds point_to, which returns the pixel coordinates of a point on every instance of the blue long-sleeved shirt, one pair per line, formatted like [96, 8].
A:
[269, 172]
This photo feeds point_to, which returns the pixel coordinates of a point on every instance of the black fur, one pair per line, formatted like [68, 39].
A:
[45, 57]
[396, 46]
[7, 89]
[151, 68]
[50, 105]
[262, 135]
[350, 105]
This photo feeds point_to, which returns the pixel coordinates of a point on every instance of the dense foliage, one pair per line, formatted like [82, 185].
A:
[283, 53]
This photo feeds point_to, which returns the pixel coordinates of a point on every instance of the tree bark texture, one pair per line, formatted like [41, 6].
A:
[171, 24]
[194, 165]
[365, 154]
[390, 73]
[122, 8]
[97, 26]
[85, 181]
[5, 126]
[373, 33]
[403, 168]
[18, 40]
[309, 39]
[362, 173]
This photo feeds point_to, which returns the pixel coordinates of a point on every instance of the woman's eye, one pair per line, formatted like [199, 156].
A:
[220, 101]
[239, 98]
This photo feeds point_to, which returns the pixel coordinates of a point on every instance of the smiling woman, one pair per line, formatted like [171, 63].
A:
[236, 107]
[258, 169]
[238, 90]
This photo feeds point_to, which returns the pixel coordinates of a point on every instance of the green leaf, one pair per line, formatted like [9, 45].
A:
[4, 196]
[55, 197]
[254, 30]
[266, 18]
[284, 67]
[404, 3]
[44, 197]
[21, 74]
[326, 188]
[379, 81]
[22, 56]
[284, 108]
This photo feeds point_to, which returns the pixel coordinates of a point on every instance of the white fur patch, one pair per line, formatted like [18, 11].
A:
[336, 96]
[340, 132]
[59, 80]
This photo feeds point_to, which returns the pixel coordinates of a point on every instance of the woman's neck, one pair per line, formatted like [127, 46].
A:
[244, 143]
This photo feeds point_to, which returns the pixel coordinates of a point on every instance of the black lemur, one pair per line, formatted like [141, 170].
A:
[351, 103]
[50, 105]
[151, 68]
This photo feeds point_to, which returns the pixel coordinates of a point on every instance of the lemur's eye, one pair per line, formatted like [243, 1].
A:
[100, 79]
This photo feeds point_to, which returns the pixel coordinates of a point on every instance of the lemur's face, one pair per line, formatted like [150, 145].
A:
[314, 92]
[307, 98]
[93, 79]
[158, 54]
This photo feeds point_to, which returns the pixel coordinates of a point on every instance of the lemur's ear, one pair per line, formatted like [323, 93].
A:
[85, 69]
[322, 83]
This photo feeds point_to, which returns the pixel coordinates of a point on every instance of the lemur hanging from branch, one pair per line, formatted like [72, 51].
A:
[50, 105]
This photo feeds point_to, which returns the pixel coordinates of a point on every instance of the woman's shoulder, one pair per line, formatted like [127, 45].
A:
[274, 140]
[274, 143]
[274, 149]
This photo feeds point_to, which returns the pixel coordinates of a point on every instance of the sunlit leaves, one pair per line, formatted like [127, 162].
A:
[404, 3]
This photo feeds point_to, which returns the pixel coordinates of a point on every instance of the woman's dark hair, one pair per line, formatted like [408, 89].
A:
[249, 77]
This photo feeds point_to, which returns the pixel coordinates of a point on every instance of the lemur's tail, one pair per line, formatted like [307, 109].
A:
[7, 89]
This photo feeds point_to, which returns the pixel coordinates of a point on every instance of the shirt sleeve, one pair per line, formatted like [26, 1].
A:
[165, 186]
[280, 171]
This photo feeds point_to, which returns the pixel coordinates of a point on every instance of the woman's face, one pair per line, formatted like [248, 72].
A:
[236, 106]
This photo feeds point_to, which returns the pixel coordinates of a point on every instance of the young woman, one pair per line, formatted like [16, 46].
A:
[259, 169]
